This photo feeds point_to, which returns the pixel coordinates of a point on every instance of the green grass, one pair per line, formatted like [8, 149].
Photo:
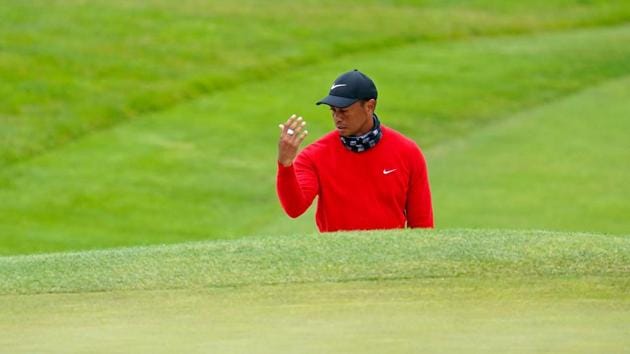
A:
[69, 68]
[206, 169]
[408, 291]
[152, 123]
[429, 316]
[560, 166]
[341, 257]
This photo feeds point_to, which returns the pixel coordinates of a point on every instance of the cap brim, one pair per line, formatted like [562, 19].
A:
[337, 101]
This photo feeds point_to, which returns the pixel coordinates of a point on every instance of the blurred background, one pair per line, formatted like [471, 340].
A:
[146, 122]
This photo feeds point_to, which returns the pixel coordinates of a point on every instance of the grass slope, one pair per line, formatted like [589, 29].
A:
[183, 174]
[397, 291]
[560, 166]
[68, 68]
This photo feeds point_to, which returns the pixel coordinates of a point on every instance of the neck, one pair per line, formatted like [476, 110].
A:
[366, 141]
[369, 125]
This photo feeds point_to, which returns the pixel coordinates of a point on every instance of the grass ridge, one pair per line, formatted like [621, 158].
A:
[338, 257]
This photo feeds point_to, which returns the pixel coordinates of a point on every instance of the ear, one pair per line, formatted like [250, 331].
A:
[371, 105]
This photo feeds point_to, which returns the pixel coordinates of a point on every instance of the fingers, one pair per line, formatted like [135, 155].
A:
[291, 119]
[291, 129]
[293, 124]
[300, 125]
[301, 137]
[286, 126]
[290, 123]
[292, 133]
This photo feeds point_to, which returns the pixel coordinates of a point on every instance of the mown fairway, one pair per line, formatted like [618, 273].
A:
[560, 166]
[128, 123]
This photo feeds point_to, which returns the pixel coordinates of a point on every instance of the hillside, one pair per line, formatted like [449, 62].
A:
[72, 68]
[185, 173]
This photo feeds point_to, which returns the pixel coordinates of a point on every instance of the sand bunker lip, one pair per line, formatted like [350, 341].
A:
[340, 257]
[441, 290]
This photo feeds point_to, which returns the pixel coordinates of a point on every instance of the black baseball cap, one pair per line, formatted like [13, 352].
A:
[349, 88]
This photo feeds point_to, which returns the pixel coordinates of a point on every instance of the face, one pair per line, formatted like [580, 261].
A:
[355, 119]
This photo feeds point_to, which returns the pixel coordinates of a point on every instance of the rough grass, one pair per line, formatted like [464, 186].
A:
[68, 68]
[340, 257]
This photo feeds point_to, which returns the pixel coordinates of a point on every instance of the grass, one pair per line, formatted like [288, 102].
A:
[181, 174]
[152, 123]
[435, 291]
[559, 166]
[433, 316]
[342, 257]
[69, 68]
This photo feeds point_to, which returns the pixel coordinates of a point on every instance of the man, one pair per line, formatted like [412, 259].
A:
[366, 175]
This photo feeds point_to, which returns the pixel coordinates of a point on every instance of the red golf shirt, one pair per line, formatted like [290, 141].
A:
[384, 187]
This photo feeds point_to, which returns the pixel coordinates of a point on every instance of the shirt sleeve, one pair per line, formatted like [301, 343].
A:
[419, 207]
[297, 186]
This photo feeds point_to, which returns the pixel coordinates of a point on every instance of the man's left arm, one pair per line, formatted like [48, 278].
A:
[419, 207]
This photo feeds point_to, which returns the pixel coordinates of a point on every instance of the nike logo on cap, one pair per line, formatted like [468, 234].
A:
[386, 172]
[335, 86]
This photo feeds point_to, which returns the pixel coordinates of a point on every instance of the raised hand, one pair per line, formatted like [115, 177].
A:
[291, 136]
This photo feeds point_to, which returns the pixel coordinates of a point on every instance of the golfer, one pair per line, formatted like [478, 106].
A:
[366, 175]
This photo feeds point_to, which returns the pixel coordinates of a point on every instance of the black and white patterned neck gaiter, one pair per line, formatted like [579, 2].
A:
[366, 141]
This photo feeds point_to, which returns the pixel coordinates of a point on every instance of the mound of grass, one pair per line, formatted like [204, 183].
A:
[339, 257]
[449, 291]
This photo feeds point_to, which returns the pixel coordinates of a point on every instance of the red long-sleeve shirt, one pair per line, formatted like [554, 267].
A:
[384, 187]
